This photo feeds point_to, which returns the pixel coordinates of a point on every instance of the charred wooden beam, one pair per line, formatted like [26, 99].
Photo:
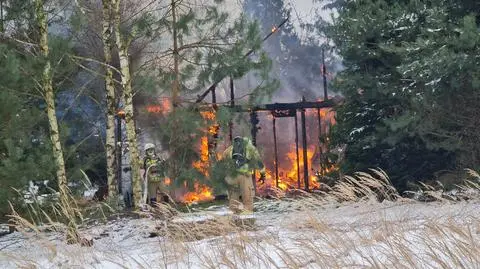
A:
[297, 151]
[289, 106]
[274, 121]
[232, 104]
[304, 143]
[214, 97]
[253, 122]
[324, 71]
[320, 151]
[333, 102]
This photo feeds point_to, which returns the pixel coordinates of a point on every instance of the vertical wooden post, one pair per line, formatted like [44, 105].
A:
[324, 71]
[275, 149]
[232, 104]
[297, 151]
[2, 27]
[213, 144]
[214, 97]
[253, 130]
[304, 142]
[320, 150]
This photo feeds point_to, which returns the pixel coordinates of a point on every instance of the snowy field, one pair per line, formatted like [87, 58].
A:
[286, 234]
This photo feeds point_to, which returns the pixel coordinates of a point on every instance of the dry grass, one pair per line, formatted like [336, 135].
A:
[344, 228]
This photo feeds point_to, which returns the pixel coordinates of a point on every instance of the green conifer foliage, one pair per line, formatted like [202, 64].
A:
[381, 119]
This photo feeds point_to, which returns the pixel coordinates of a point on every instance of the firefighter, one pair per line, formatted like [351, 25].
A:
[154, 172]
[244, 158]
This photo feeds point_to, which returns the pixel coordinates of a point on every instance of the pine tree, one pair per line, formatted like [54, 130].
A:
[25, 151]
[205, 46]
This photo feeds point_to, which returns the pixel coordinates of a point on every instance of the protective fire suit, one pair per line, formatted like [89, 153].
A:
[240, 184]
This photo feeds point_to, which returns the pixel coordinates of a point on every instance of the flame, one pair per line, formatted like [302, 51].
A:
[201, 193]
[163, 108]
[288, 171]
[208, 115]
[327, 115]
[274, 29]
[288, 176]
[202, 164]
[168, 181]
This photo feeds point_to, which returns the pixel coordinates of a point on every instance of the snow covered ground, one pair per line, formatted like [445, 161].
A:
[287, 234]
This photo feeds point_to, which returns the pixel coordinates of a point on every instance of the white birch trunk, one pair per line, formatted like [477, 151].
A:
[47, 87]
[110, 97]
[122, 45]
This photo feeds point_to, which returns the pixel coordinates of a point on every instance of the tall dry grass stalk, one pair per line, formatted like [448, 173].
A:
[62, 216]
[344, 228]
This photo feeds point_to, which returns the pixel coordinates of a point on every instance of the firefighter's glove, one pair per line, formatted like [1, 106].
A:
[262, 179]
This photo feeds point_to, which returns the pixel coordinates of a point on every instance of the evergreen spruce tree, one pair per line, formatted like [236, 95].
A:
[25, 151]
[440, 65]
[376, 121]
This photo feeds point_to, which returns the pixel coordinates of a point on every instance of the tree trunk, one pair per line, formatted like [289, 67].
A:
[175, 166]
[110, 97]
[52, 120]
[176, 57]
[2, 27]
[122, 45]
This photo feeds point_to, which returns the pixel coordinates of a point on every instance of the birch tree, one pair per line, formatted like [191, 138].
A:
[110, 96]
[46, 85]
[123, 43]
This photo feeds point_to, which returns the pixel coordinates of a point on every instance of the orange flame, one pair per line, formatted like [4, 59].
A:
[208, 115]
[288, 173]
[202, 192]
[288, 176]
[202, 164]
[163, 108]
[274, 29]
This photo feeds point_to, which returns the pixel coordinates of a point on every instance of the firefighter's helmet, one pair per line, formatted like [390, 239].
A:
[149, 146]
